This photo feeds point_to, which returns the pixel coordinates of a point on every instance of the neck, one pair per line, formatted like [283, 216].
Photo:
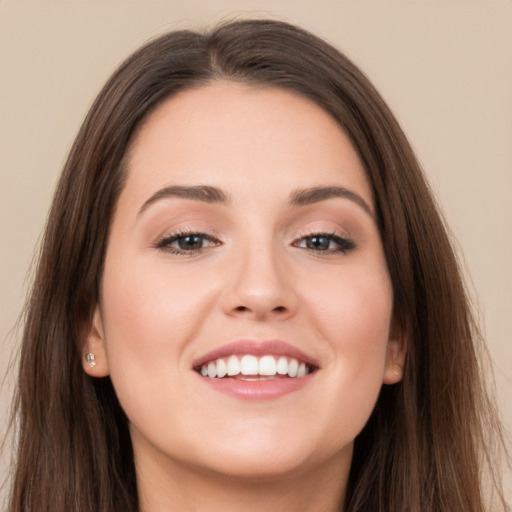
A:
[169, 486]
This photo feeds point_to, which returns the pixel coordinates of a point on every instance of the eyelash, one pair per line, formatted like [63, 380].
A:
[344, 244]
[165, 243]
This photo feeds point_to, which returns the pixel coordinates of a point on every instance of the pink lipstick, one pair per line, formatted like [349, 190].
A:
[256, 370]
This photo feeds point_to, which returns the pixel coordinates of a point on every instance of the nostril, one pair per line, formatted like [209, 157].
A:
[278, 309]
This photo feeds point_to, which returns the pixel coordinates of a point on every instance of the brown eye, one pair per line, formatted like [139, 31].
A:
[190, 242]
[318, 243]
[324, 242]
[187, 243]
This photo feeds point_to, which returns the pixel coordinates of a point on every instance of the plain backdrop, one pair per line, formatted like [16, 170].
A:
[445, 68]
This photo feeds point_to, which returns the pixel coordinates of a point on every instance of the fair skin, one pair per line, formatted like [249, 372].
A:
[258, 256]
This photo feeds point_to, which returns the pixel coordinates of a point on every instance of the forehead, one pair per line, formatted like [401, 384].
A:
[226, 133]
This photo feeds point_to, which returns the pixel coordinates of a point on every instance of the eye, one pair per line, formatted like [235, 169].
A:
[325, 242]
[186, 243]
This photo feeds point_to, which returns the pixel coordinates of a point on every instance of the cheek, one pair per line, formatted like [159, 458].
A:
[352, 316]
[150, 315]
[353, 307]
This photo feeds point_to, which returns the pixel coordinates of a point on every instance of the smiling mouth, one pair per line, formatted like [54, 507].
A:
[254, 368]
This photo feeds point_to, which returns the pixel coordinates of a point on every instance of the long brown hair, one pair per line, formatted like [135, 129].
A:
[425, 445]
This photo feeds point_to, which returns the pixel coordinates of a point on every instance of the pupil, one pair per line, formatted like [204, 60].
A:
[191, 242]
[318, 242]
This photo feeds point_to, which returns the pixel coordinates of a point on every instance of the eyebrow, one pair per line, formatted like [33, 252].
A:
[299, 197]
[306, 196]
[203, 193]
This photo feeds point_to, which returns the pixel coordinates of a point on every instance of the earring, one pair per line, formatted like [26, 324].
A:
[90, 360]
[398, 370]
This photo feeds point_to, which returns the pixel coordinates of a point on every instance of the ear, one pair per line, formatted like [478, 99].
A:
[395, 355]
[94, 360]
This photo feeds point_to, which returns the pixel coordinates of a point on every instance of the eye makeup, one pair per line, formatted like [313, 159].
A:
[187, 242]
[325, 242]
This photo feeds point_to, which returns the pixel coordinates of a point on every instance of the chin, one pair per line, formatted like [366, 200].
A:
[261, 466]
[263, 457]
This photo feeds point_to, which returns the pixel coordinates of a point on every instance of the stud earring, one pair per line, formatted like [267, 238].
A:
[398, 370]
[90, 360]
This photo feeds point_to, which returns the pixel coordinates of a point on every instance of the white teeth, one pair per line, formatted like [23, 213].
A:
[252, 366]
[282, 365]
[212, 370]
[267, 365]
[221, 368]
[233, 366]
[249, 365]
[293, 367]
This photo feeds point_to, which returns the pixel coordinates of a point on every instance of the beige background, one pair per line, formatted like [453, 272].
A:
[445, 68]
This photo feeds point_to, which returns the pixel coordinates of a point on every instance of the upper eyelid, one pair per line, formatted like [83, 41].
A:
[323, 232]
[186, 231]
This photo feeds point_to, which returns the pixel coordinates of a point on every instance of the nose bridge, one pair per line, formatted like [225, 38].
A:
[259, 284]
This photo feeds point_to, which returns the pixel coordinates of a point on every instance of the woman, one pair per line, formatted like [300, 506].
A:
[246, 299]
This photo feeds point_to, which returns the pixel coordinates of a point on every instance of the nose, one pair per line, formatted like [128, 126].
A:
[260, 287]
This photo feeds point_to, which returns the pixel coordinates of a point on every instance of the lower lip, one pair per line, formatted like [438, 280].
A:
[258, 389]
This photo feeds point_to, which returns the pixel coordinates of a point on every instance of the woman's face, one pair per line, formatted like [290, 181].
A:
[246, 306]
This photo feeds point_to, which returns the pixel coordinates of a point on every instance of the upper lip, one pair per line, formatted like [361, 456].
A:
[256, 348]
